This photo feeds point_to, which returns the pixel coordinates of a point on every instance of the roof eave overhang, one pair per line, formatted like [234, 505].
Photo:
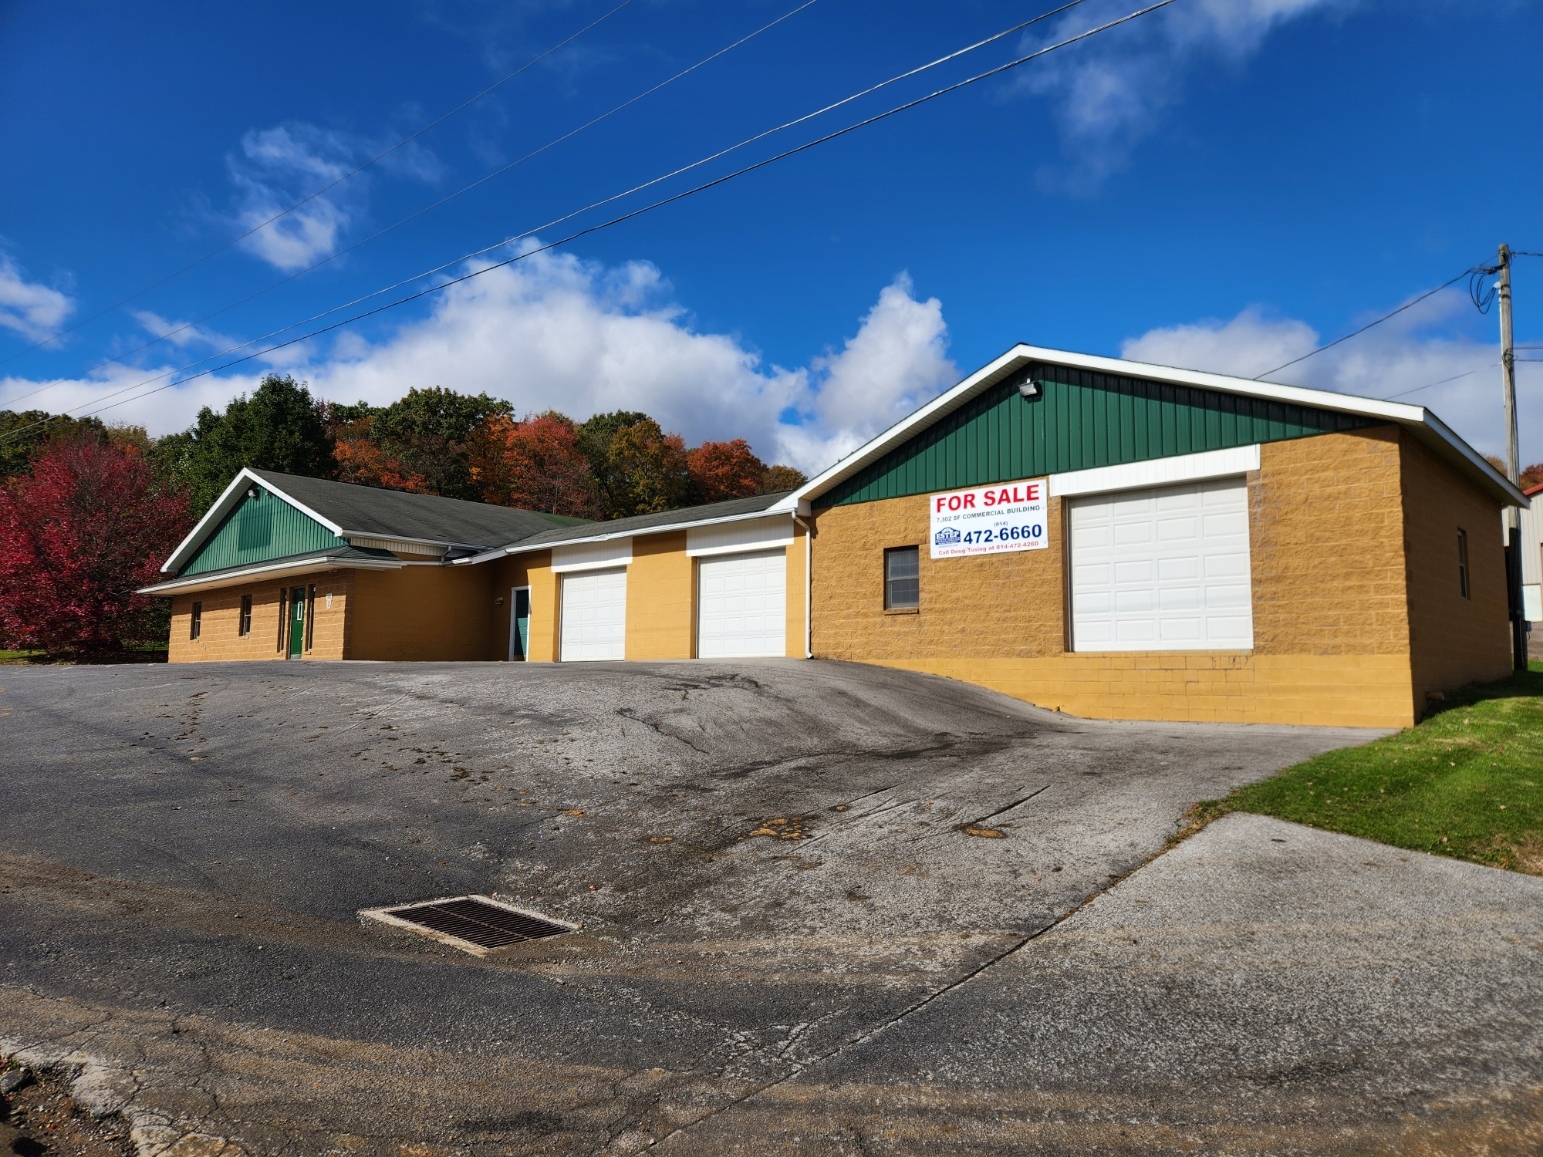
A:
[777, 509]
[1426, 426]
[267, 571]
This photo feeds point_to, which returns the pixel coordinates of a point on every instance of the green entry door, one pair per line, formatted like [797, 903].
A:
[296, 620]
[519, 638]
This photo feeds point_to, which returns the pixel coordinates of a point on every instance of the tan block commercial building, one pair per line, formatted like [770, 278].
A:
[1103, 537]
[1130, 541]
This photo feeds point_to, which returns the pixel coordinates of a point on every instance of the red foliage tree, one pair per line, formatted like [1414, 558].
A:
[535, 464]
[77, 536]
[723, 470]
[362, 460]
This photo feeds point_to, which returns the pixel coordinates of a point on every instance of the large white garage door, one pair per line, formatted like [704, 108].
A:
[742, 605]
[594, 615]
[1162, 570]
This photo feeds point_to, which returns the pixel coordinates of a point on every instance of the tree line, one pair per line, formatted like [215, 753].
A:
[89, 512]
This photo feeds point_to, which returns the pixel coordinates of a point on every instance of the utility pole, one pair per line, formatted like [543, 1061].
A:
[1512, 465]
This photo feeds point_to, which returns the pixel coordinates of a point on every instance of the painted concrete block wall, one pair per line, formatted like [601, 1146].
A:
[535, 571]
[1327, 544]
[1455, 640]
[418, 613]
[797, 593]
[1331, 628]
[661, 598]
[219, 639]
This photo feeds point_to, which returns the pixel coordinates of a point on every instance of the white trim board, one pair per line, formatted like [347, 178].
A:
[270, 570]
[1156, 472]
[602, 555]
[739, 537]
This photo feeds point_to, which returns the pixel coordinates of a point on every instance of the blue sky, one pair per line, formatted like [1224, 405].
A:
[1221, 184]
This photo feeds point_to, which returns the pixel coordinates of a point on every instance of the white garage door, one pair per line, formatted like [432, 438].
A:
[742, 605]
[1162, 570]
[594, 615]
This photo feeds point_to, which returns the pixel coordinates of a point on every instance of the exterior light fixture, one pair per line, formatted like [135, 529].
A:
[1028, 388]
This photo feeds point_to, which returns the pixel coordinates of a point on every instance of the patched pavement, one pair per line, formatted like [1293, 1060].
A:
[183, 852]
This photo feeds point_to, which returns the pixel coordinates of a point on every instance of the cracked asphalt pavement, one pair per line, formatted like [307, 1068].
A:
[825, 908]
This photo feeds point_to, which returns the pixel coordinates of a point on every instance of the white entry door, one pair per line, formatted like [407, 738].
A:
[742, 605]
[594, 616]
[1162, 570]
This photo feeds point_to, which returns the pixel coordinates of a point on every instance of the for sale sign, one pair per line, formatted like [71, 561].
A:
[990, 519]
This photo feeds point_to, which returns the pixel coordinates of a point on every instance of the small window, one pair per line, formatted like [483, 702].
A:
[1462, 562]
[197, 625]
[244, 624]
[902, 582]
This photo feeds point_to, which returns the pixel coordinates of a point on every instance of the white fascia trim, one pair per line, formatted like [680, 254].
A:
[225, 504]
[1020, 355]
[272, 570]
[521, 548]
[1156, 471]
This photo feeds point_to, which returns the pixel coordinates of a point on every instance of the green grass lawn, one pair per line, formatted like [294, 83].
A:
[1467, 782]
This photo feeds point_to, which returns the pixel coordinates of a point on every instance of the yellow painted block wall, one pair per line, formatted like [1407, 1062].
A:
[535, 571]
[1331, 624]
[219, 638]
[797, 594]
[661, 598]
[433, 612]
[1456, 640]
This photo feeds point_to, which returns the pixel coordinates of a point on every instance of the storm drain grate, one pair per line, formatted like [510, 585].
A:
[473, 922]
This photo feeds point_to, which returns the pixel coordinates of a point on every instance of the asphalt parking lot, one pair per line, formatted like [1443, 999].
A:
[184, 852]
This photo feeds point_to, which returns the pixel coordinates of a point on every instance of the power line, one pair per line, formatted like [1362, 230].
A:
[430, 207]
[469, 101]
[1369, 325]
[625, 216]
[1442, 382]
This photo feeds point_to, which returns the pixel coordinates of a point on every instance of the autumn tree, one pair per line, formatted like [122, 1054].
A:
[723, 470]
[646, 471]
[535, 464]
[78, 535]
[776, 479]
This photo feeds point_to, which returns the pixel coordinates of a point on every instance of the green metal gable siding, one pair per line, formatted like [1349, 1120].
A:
[257, 530]
[1080, 420]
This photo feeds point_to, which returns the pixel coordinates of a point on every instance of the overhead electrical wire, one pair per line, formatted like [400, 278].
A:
[188, 325]
[1442, 382]
[309, 197]
[905, 106]
[1371, 324]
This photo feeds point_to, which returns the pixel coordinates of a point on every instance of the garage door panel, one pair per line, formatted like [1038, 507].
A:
[1174, 573]
[742, 605]
[594, 616]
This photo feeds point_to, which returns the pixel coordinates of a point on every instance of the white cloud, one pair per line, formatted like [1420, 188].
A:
[1111, 91]
[33, 310]
[180, 333]
[554, 331]
[897, 361]
[276, 167]
[1406, 359]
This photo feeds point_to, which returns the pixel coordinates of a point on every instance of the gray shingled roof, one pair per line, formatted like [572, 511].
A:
[395, 514]
[645, 522]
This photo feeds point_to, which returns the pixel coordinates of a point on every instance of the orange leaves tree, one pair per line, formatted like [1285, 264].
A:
[535, 464]
[78, 534]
